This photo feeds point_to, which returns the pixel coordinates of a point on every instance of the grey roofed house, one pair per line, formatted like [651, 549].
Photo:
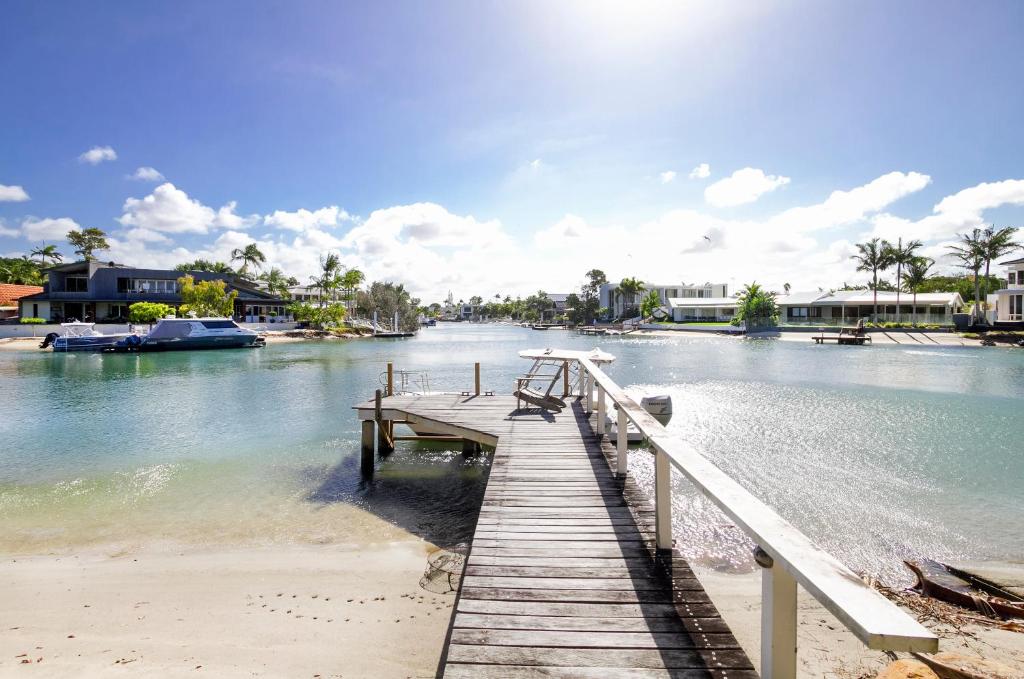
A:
[103, 291]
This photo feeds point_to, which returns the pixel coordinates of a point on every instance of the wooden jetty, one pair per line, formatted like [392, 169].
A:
[572, 571]
[851, 335]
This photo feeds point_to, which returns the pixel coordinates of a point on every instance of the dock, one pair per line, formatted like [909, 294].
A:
[573, 571]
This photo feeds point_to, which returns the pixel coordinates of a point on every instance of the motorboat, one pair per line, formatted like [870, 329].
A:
[659, 406]
[182, 334]
[80, 336]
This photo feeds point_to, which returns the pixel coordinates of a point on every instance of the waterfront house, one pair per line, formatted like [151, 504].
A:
[849, 306]
[702, 309]
[10, 294]
[617, 305]
[103, 291]
[1007, 305]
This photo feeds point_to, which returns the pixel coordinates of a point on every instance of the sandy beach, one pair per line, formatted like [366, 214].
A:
[282, 611]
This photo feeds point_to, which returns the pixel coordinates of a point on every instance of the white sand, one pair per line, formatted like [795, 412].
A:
[282, 611]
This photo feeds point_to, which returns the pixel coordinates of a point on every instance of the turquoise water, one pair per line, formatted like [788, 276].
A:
[877, 453]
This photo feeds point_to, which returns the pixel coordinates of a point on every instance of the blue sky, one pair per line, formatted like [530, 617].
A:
[509, 146]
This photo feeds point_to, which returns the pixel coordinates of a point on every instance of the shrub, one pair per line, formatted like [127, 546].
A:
[33, 320]
[148, 312]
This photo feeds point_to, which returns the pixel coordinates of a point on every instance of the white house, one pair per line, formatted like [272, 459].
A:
[702, 309]
[615, 302]
[845, 306]
[1007, 305]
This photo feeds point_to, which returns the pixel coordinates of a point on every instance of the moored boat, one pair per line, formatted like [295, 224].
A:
[79, 336]
[182, 334]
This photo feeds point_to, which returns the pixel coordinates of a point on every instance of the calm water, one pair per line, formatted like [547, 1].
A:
[877, 453]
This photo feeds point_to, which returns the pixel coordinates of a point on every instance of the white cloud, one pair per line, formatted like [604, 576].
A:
[97, 155]
[667, 177]
[147, 174]
[146, 235]
[954, 214]
[535, 163]
[742, 186]
[170, 210]
[12, 194]
[6, 231]
[702, 171]
[304, 220]
[48, 229]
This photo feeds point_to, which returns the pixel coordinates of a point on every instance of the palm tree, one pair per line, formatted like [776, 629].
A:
[330, 275]
[900, 255]
[786, 287]
[350, 283]
[971, 253]
[250, 255]
[914, 276]
[997, 243]
[47, 252]
[277, 282]
[873, 256]
[629, 288]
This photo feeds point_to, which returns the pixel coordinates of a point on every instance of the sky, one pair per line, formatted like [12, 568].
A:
[504, 147]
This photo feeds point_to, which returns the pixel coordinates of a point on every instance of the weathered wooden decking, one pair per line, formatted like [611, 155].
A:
[562, 578]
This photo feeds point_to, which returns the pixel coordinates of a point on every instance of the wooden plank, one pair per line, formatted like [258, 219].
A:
[598, 657]
[573, 609]
[606, 584]
[585, 624]
[481, 671]
[586, 595]
[591, 639]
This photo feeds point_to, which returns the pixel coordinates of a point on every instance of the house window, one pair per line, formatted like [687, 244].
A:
[154, 286]
[76, 284]
[35, 311]
[124, 284]
[1012, 276]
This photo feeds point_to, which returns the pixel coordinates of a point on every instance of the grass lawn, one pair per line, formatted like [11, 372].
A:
[717, 324]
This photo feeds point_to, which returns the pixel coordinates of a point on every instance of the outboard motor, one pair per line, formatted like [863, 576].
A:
[659, 406]
[48, 340]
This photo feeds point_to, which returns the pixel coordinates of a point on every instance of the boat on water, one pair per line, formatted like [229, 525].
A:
[186, 334]
[80, 336]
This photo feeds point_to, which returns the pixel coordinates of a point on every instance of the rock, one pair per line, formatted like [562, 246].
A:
[958, 665]
[907, 669]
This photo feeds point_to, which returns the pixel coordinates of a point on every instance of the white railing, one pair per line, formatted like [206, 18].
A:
[788, 557]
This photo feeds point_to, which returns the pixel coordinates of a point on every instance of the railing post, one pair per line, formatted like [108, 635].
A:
[391, 380]
[778, 619]
[565, 379]
[585, 388]
[600, 411]
[622, 466]
[662, 500]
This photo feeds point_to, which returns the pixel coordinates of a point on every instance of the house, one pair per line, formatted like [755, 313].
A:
[849, 306]
[702, 309]
[618, 305]
[9, 296]
[103, 291]
[1007, 305]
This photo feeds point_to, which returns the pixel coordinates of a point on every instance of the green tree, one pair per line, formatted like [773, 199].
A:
[148, 312]
[250, 255]
[329, 279]
[88, 241]
[20, 271]
[206, 298]
[351, 280]
[756, 307]
[590, 294]
[47, 252]
[386, 298]
[629, 288]
[971, 252]
[901, 255]
[320, 316]
[873, 256]
[277, 282]
[914, 276]
[996, 243]
[205, 265]
[650, 304]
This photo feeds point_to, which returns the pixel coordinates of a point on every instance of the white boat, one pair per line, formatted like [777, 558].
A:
[660, 408]
[80, 336]
[182, 334]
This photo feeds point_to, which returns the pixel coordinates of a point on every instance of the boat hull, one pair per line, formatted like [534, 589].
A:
[96, 343]
[201, 343]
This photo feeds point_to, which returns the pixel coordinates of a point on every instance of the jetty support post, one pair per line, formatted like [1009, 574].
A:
[622, 457]
[476, 378]
[366, 449]
[600, 411]
[778, 619]
[391, 380]
[662, 499]
[384, 444]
